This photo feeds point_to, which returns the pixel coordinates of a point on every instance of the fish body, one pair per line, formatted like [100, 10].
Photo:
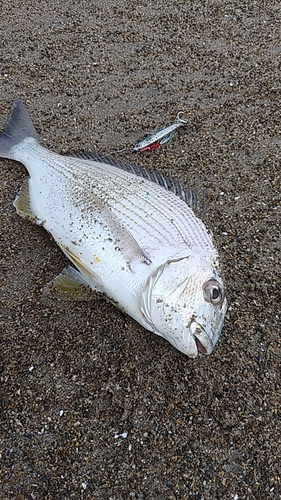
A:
[128, 237]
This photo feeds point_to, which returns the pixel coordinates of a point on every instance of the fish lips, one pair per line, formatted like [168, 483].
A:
[200, 346]
[202, 341]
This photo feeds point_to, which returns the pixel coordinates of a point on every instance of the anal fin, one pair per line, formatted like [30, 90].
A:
[22, 203]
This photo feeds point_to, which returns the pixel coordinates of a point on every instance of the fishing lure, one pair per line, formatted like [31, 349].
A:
[161, 137]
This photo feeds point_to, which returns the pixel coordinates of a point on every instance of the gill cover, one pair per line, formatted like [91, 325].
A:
[160, 299]
[184, 303]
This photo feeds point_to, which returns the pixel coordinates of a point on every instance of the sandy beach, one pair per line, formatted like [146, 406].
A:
[92, 405]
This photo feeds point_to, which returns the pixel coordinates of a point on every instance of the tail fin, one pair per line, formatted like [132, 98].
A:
[18, 126]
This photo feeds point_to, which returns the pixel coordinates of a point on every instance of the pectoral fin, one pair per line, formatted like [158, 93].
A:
[128, 244]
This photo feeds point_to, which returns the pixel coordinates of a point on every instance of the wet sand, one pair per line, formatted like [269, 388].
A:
[92, 405]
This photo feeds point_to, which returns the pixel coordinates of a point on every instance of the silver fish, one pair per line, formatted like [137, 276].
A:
[128, 235]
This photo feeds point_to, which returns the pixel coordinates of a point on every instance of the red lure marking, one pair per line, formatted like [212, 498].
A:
[152, 146]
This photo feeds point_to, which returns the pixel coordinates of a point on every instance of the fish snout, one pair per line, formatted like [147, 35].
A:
[202, 341]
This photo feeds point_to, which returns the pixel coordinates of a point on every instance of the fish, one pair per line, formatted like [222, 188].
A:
[129, 233]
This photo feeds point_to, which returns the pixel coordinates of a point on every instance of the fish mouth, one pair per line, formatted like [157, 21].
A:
[200, 346]
[202, 341]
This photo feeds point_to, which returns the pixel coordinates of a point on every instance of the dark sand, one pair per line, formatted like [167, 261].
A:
[92, 405]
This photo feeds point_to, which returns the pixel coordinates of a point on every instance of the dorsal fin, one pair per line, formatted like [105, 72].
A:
[187, 195]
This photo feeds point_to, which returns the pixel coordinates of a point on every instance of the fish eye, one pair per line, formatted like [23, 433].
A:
[213, 292]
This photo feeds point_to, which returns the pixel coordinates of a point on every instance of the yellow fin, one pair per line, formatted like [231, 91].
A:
[22, 203]
[79, 264]
[69, 284]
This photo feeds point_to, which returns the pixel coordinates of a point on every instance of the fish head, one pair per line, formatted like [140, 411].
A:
[185, 303]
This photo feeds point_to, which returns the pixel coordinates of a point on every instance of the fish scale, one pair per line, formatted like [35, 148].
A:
[128, 235]
[89, 183]
[128, 207]
[120, 179]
